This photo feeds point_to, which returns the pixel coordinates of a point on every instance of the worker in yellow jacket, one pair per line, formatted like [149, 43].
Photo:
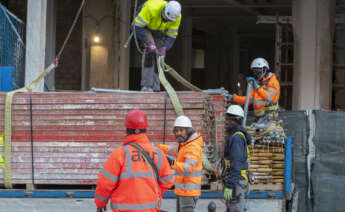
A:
[156, 26]
[187, 165]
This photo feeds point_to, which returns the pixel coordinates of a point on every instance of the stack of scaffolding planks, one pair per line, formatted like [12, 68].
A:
[268, 156]
[74, 133]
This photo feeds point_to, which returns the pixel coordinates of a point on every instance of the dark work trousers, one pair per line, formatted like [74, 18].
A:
[149, 71]
[237, 202]
[186, 204]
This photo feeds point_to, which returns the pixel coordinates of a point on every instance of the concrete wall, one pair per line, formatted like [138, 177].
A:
[68, 74]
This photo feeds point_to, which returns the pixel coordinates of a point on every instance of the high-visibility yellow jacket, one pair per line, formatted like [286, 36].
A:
[150, 16]
[188, 165]
[128, 181]
[264, 99]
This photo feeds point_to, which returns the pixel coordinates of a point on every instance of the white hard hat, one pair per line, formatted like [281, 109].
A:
[183, 121]
[172, 10]
[259, 63]
[235, 110]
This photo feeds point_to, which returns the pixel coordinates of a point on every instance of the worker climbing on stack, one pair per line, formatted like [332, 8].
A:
[188, 164]
[266, 92]
[136, 174]
[236, 156]
[156, 26]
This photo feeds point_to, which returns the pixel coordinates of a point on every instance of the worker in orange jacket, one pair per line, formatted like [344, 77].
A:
[187, 163]
[126, 179]
[266, 92]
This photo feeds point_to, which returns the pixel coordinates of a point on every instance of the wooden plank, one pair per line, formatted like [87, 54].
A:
[267, 187]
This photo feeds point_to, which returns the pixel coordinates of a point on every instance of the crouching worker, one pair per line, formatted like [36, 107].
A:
[188, 164]
[128, 178]
[236, 156]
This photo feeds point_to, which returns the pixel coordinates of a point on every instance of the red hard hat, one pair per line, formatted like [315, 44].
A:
[136, 119]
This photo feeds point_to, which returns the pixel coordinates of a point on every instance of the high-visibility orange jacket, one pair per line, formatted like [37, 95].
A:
[265, 98]
[129, 182]
[188, 165]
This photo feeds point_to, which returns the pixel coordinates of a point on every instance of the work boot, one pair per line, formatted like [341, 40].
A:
[146, 89]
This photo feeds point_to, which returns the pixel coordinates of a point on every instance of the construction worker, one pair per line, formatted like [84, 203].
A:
[236, 156]
[266, 92]
[156, 26]
[188, 163]
[126, 179]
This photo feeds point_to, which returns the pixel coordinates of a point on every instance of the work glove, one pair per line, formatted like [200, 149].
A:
[227, 193]
[151, 47]
[163, 51]
[171, 161]
[229, 96]
[255, 84]
[104, 209]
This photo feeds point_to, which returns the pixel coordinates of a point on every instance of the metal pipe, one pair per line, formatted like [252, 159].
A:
[246, 103]
[128, 40]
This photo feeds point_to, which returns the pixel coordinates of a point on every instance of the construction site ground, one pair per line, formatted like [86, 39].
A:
[87, 205]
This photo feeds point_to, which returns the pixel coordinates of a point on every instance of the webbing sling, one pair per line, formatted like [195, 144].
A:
[171, 92]
[8, 123]
[163, 67]
[33, 84]
[1, 145]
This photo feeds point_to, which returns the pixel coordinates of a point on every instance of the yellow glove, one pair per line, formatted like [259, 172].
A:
[227, 193]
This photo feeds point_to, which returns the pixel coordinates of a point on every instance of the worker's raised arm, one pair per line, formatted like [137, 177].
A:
[108, 178]
[271, 93]
[242, 99]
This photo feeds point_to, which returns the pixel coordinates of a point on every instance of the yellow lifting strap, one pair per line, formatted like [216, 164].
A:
[162, 67]
[171, 92]
[180, 79]
[8, 123]
[1, 145]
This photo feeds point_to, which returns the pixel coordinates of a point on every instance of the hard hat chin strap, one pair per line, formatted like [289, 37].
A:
[164, 18]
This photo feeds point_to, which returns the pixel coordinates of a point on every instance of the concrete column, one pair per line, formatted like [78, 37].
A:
[313, 30]
[123, 21]
[186, 56]
[50, 44]
[35, 41]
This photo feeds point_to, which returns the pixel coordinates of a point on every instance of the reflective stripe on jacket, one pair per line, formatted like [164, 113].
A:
[150, 16]
[265, 98]
[188, 165]
[129, 182]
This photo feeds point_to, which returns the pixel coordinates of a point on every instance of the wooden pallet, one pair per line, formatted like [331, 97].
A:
[267, 187]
